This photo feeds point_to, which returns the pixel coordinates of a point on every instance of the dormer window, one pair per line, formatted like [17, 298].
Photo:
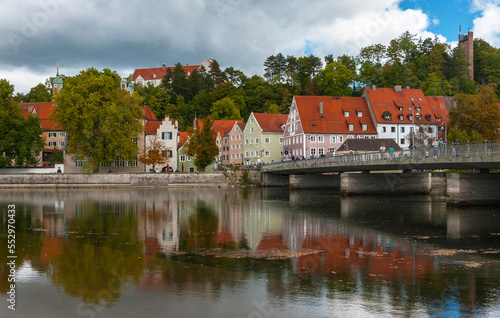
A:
[428, 117]
[387, 116]
[351, 127]
[346, 114]
[410, 117]
[360, 114]
[364, 127]
[419, 117]
[401, 117]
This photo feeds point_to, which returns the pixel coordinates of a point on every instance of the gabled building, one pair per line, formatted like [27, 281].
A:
[263, 138]
[319, 125]
[154, 75]
[375, 148]
[222, 128]
[164, 131]
[395, 111]
[235, 144]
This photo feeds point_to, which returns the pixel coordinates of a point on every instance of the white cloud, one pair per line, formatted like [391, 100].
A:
[487, 26]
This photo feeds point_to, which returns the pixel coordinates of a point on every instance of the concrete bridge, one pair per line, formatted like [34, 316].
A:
[404, 172]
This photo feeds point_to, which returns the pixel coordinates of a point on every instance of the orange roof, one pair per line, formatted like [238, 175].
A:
[152, 127]
[183, 137]
[148, 113]
[271, 122]
[44, 111]
[396, 103]
[333, 119]
[159, 72]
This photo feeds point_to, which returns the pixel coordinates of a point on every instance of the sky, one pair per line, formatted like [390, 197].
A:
[124, 35]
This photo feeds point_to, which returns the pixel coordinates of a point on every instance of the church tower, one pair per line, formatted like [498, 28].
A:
[465, 42]
[57, 83]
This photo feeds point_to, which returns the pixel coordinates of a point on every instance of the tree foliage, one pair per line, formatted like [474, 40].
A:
[22, 139]
[201, 144]
[154, 152]
[100, 119]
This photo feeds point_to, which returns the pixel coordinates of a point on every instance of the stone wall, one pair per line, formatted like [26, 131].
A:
[112, 180]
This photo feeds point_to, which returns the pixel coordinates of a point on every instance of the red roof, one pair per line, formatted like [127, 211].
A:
[44, 111]
[148, 113]
[396, 103]
[271, 122]
[333, 119]
[152, 127]
[159, 72]
[183, 137]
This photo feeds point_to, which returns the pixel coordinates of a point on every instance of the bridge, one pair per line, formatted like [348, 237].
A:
[405, 171]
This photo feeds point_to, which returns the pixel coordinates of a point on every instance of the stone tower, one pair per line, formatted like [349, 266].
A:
[465, 42]
[57, 83]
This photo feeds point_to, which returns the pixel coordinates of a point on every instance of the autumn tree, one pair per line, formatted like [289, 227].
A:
[101, 120]
[21, 140]
[154, 153]
[477, 113]
[201, 144]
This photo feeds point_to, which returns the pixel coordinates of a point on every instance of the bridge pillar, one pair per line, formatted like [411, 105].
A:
[473, 189]
[385, 183]
[314, 181]
[275, 180]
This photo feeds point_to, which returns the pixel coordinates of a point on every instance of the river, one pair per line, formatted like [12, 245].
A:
[266, 252]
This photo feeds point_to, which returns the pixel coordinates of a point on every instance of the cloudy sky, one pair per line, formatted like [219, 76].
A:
[124, 35]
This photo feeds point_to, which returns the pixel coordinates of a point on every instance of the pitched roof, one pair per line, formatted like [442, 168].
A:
[152, 127]
[271, 122]
[368, 144]
[333, 119]
[44, 111]
[148, 113]
[222, 126]
[159, 72]
[242, 126]
[183, 137]
[400, 102]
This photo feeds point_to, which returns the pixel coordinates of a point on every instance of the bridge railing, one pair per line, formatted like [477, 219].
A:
[450, 150]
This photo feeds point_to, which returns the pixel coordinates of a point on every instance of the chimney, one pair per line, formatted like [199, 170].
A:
[374, 88]
[321, 108]
[397, 88]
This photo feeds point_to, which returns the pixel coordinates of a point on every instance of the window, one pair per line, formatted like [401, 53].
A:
[246, 154]
[166, 135]
[267, 140]
[360, 114]
[346, 114]
[232, 146]
[350, 137]
[251, 141]
[134, 140]
[246, 141]
[52, 135]
[119, 162]
[256, 140]
[79, 163]
[251, 153]
[188, 158]
[393, 129]
[191, 169]
[267, 153]
[132, 163]
[321, 138]
[358, 137]
[351, 127]
[52, 143]
[402, 129]
[281, 154]
[401, 117]
[61, 143]
[384, 129]
[402, 141]
[321, 151]
[182, 158]
[232, 137]
[364, 127]
[106, 164]
[313, 151]
[340, 139]
[332, 139]
[313, 138]
[367, 137]
[251, 120]
[232, 156]
[430, 130]
[62, 134]
[281, 140]
[251, 129]
[331, 150]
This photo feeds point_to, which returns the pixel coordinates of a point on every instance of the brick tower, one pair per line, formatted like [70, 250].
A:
[466, 44]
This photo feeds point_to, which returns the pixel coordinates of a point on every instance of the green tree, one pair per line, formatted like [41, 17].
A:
[224, 109]
[477, 113]
[336, 80]
[22, 139]
[39, 93]
[100, 119]
[201, 144]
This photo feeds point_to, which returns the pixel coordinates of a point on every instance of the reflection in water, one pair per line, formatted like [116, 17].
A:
[124, 252]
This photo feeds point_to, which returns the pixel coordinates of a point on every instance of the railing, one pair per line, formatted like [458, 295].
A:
[456, 150]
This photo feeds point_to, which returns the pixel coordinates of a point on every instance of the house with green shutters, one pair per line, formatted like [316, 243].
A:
[263, 138]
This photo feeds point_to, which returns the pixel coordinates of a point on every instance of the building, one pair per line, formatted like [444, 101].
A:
[164, 131]
[396, 111]
[263, 136]
[466, 43]
[371, 148]
[222, 128]
[154, 75]
[319, 125]
[235, 144]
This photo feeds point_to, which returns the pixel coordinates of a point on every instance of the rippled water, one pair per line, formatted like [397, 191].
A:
[248, 253]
